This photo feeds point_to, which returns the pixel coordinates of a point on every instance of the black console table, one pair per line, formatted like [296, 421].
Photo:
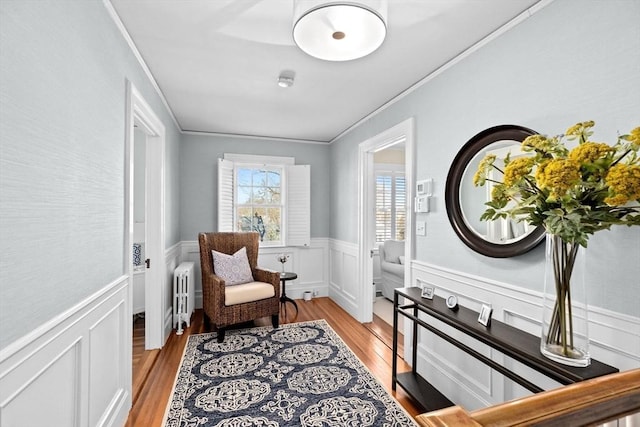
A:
[512, 342]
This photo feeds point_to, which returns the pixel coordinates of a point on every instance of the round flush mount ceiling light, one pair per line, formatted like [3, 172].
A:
[339, 31]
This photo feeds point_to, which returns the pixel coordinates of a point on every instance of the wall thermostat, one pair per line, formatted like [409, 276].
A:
[424, 190]
[424, 187]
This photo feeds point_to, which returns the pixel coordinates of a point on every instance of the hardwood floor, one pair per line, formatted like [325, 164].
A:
[143, 361]
[384, 332]
[371, 343]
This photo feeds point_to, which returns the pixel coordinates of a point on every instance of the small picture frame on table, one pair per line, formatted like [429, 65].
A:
[427, 292]
[485, 315]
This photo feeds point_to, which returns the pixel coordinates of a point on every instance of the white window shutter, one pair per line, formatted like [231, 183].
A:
[298, 205]
[225, 195]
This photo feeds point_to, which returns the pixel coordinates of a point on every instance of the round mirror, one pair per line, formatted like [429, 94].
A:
[466, 202]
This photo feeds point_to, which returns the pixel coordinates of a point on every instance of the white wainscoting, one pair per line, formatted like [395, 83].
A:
[74, 370]
[82, 358]
[309, 263]
[466, 381]
[343, 280]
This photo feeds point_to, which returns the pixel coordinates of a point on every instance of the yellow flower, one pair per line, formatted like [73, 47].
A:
[498, 193]
[617, 200]
[539, 175]
[538, 143]
[580, 128]
[558, 175]
[624, 182]
[517, 169]
[572, 193]
[483, 169]
[589, 152]
[634, 136]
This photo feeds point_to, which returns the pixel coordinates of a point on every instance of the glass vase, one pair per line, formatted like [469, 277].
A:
[565, 332]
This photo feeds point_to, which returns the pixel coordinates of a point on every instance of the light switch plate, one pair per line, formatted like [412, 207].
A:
[421, 228]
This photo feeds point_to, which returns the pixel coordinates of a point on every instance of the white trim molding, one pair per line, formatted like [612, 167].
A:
[138, 112]
[401, 132]
[452, 62]
[343, 280]
[71, 371]
[134, 49]
[82, 357]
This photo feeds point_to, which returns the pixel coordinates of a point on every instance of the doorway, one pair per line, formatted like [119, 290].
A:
[144, 218]
[142, 119]
[402, 133]
[389, 218]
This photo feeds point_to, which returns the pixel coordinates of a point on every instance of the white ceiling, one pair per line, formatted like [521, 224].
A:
[217, 61]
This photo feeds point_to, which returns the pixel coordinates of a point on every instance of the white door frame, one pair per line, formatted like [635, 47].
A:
[366, 199]
[140, 113]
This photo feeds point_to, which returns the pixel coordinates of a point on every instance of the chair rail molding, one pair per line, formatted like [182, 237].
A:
[613, 338]
[75, 358]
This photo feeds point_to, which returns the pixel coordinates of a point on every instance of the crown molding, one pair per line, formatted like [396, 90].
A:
[143, 64]
[475, 47]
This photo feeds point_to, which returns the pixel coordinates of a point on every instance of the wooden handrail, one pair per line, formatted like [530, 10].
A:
[588, 402]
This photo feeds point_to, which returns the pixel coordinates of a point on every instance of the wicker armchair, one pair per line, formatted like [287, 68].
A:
[217, 314]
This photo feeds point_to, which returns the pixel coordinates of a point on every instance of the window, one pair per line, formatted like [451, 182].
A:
[390, 205]
[268, 195]
[259, 202]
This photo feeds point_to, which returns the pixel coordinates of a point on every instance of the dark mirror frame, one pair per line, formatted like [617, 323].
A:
[452, 194]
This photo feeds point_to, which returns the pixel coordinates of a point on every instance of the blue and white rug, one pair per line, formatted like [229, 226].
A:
[301, 374]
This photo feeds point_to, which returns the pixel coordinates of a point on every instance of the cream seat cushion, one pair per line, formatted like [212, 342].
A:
[247, 292]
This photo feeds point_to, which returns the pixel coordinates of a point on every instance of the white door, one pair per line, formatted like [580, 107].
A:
[142, 120]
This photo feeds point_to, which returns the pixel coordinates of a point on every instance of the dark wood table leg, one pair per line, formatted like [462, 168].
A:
[284, 299]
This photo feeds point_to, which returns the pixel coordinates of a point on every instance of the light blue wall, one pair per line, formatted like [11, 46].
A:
[572, 61]
[199, 178]
[63, 72]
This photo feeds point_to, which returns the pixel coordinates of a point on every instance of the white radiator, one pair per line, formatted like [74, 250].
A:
[183, 295]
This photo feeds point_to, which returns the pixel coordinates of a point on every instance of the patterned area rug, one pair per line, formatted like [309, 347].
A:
[301, 374]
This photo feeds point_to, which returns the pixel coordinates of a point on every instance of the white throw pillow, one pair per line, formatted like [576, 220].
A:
[233, 269]
[401, 259]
